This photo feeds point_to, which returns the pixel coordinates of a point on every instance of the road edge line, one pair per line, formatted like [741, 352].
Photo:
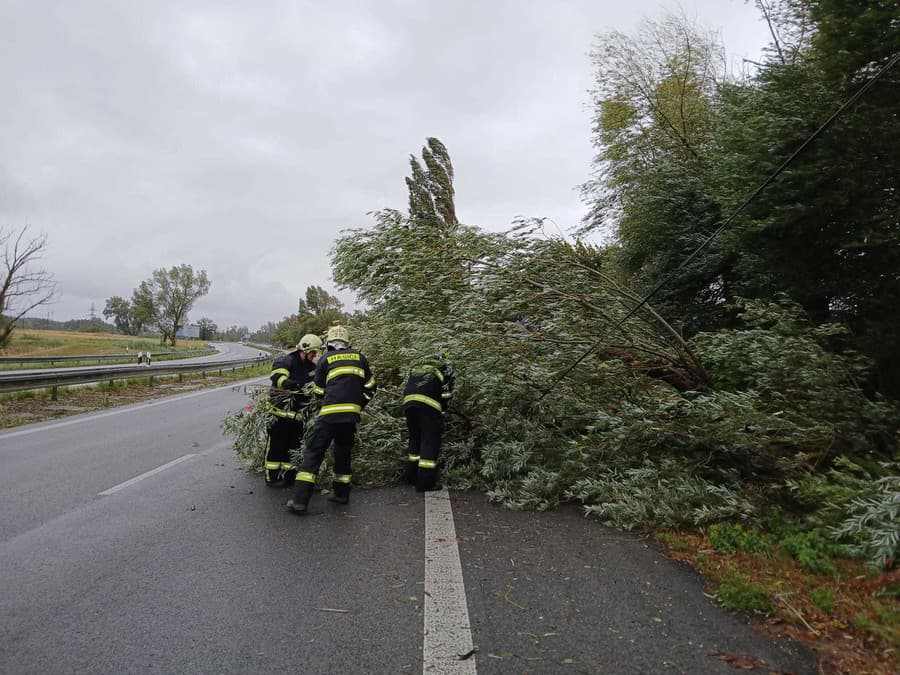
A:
[146, 474]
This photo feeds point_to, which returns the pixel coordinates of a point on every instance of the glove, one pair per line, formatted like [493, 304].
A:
[293, 385]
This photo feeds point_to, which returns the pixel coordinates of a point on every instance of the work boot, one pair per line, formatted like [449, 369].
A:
[340, 493]
[426, 480]
[410, 470]
[302, 492]
[299, 509]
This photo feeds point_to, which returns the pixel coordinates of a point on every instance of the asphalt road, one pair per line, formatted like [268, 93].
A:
[132, 541]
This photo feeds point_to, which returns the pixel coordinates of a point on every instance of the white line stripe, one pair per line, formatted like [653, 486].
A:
[118, 411]
[132, 481]
[448, 635]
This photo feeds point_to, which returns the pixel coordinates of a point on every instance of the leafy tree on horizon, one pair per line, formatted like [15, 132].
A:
[207, 328]
[316, 311]
[123, 314]
[167, 296]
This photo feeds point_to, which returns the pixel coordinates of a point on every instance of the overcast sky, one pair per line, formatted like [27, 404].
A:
[240, 137]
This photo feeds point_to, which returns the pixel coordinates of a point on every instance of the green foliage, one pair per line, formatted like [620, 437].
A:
[808, 396]
[823, 598]
[856, 505]
[813, 551]
[315, 314]
[883, 621]
[680, 145]
[123, 314]
[166, 297]
[872, 523]
[247, 428]
[662, 494]
[738, 594]
[731, 537]
[635, 434]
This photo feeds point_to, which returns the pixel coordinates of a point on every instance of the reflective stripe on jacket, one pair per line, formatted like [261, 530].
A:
[429, 385]
[288, 369]
[346, 382]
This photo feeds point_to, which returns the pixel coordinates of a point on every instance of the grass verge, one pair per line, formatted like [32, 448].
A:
[842, 610]
[26, 407]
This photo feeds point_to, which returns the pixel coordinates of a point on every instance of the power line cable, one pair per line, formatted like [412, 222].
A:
[827, 123]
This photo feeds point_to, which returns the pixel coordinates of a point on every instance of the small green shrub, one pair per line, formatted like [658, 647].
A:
[731, 537]
[737, 593]
[822, 598]
[812, 551]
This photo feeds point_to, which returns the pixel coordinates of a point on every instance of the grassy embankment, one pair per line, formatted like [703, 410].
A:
[50, 343]
[847, 612]
[25, 407]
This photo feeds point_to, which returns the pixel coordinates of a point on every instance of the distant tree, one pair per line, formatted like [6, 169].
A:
[265, 333]
[317, 301]
[123, 315]
[207, 328]
[234, 333]
[315, 314]
[22, 287]
[432, 220]
[431, 193]
[287, 332]
[167, 296]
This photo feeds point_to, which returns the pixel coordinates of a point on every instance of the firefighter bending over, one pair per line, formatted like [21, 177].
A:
[426, 396]
[290, 372]
[345, 381]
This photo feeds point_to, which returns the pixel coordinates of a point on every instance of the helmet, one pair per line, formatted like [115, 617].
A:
[309, 341]
[338, 333]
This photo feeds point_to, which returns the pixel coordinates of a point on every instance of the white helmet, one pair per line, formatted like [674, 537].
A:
[309, 342]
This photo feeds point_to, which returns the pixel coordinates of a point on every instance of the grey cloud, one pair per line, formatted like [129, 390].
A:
[242, 137]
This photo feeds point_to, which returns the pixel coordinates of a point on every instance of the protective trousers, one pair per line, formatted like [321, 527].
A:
[321, 436]
[425, 429]
[284, 435]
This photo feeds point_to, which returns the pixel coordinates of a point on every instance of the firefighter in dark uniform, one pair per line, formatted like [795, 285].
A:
[346, 383]
[428, 390]
[290, 372]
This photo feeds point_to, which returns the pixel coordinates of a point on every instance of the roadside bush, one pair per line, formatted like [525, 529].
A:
[812, 551]
[731, 537]
[822, 598]
[738, 594]
[857, 504]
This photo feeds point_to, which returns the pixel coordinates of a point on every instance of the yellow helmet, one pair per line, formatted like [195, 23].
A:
[338, 333]
[309, 341]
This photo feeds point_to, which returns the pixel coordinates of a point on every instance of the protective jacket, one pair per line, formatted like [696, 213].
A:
[289, 373]
[347, 384]
[429, 385]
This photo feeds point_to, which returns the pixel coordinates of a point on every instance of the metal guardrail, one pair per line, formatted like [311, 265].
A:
[129, 356]
[12, 381]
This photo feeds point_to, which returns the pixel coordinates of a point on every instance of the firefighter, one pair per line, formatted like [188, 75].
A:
[287, 400]
[346, 383]
[428, 390]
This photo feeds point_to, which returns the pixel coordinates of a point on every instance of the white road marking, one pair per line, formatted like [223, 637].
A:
[448, 634]
[146, 474]
[121, 486]
[119, 411]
